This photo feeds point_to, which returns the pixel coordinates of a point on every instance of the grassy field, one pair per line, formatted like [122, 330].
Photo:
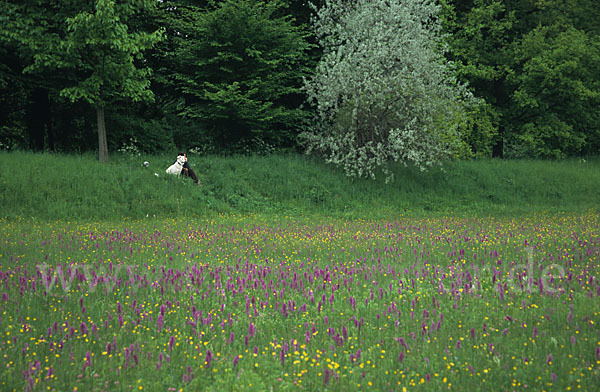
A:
[49, 186]
[281, 274]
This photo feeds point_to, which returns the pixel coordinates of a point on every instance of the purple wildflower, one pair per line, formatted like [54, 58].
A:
[208, 359]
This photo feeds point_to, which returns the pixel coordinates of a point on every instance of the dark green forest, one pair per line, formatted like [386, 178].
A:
[227, 76]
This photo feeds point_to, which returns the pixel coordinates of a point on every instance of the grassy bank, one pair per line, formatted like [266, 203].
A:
[52, 186]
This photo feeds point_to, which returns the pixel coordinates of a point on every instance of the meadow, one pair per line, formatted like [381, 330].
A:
[77, 187]
[422, 300]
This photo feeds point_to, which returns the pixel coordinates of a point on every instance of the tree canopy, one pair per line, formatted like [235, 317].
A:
[228, 76]
[537, 64]
[240, 69]
[101, 57]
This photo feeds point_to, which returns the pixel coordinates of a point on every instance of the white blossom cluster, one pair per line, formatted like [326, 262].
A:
[382, 90]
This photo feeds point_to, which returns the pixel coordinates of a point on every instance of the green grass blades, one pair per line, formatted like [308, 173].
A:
[239, 303]
[47, 186]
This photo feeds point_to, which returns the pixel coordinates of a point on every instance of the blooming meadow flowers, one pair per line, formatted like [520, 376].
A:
[235, 304]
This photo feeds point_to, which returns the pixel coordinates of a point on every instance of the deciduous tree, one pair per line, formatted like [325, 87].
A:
[108, 57]
[537, 64]
[382, 90]
[102, 57]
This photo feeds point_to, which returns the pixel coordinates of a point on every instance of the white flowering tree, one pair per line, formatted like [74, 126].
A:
[382, 90]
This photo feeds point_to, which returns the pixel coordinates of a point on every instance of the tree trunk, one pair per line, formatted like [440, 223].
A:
[501, 99]
[102, 145]
[498, 147]
[38, 117]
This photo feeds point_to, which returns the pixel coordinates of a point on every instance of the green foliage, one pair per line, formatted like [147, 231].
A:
[13, 99]
[152, 136]
[556, 94]
[99, 45]
[98, 57]
[382, 90]
[478, 130]
[240, 71]
[228, 76]
[536, 64]
[22, 36]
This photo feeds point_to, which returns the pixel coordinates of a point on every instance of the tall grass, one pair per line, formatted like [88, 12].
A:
[49, 186]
